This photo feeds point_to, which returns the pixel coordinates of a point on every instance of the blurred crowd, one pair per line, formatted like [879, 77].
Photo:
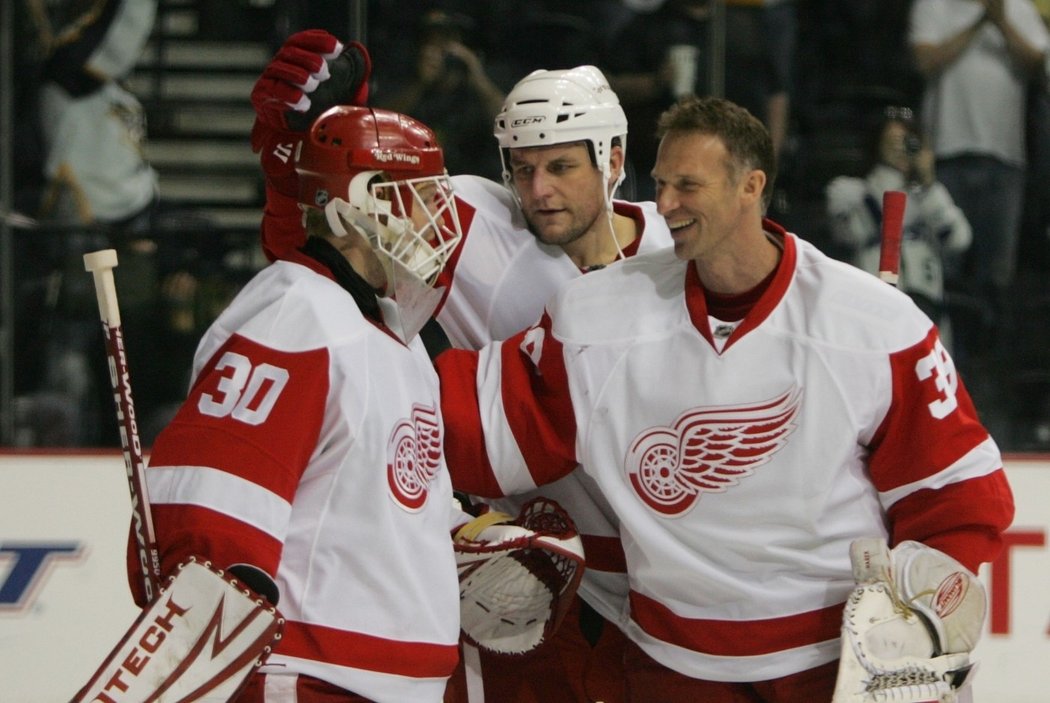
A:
[861, 96]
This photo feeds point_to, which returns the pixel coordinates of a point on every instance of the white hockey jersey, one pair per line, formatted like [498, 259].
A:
[311, 446]
[498, 283]
[740, 468]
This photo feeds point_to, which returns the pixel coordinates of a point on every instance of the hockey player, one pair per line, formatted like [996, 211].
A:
[556, 220]
[749, 408]
[562, 139]
[310, 445]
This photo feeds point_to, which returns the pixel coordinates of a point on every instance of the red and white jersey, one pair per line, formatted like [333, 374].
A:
[311, 446]
[497, 284]
[741, 459]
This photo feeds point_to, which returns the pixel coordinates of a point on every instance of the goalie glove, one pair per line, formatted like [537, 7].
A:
[909, 626]
[517, 576]
[311, 72]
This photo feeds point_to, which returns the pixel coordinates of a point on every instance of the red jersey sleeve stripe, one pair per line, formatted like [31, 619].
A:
[271, 438]
[537, 402]
[931, 423]
[465, 454]
[932, 517]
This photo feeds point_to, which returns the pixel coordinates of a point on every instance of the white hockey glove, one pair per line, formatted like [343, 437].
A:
[909, 626]
[517, 576]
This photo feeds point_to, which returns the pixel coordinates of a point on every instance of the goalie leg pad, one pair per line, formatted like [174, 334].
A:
[199, 640]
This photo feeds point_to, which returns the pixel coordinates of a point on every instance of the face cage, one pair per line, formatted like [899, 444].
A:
[417, 229]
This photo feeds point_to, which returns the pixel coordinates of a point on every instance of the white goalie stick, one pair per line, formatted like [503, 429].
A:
[101, 265]
[203, 632]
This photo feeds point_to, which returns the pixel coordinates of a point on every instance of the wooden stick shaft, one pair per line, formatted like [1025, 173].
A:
[101, 265]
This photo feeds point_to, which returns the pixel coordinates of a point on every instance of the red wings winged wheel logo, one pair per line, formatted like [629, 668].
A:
[414, 455]
[707, 449]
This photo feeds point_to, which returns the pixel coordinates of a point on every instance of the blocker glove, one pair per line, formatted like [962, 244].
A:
[311, 72]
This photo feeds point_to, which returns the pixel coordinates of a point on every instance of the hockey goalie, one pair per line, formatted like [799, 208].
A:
[909, 627]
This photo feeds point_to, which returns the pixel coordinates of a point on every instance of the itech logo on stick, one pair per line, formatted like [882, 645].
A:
[24, 567]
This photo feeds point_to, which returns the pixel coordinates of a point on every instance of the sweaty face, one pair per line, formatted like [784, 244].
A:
[696, 194]
[561, 191]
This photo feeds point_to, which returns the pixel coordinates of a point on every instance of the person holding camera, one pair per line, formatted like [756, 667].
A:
[936, 232]
[451, 92]
[977, 58]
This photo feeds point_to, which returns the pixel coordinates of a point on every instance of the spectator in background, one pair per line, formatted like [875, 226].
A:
[1035, 230]
[976, 57]
[658, 57]
[96, 189]
[761, 38]
[666, 54]
[934, 227]
[451, 92]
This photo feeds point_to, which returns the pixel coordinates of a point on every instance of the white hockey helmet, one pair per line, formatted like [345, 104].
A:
[560, 107]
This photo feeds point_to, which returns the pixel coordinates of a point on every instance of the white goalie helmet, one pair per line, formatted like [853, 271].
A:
[384, 173]
[560, 107]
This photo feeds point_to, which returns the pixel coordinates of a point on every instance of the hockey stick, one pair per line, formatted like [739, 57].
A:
[893, 203]
[101, 264]
[201, 636]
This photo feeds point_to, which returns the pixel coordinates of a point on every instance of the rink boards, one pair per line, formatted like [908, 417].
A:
[64, 598]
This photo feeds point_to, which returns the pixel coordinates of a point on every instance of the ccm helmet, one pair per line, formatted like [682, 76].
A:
[384, 173]
[559, 107]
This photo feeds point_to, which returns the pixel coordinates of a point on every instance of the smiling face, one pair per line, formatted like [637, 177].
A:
[706, 199]
[562, 192]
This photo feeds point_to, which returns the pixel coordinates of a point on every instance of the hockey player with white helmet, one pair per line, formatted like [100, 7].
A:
[562, 137]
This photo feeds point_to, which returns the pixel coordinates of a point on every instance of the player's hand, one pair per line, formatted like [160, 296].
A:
[311, 72]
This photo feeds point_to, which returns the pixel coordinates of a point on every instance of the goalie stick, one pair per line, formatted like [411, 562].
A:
[202, 635]
[101, 265]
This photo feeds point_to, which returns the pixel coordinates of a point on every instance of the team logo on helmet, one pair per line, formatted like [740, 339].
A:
[388, 156]
[413, 457]
[707, 450]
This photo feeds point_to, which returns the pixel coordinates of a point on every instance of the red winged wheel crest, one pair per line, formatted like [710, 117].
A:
[414, 455]
[707, 450]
